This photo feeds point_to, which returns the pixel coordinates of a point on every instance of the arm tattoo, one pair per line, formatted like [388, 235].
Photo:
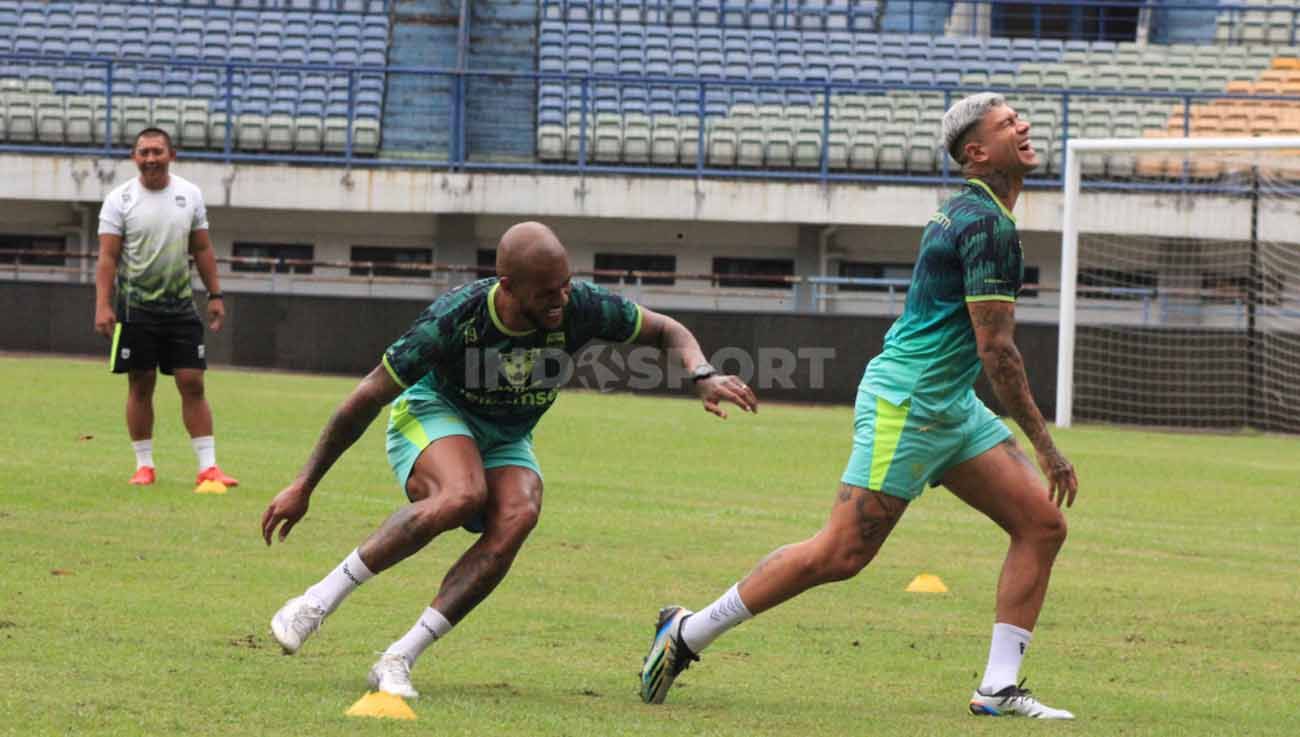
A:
[345, 427]
[1007, 374]
[1006, 371]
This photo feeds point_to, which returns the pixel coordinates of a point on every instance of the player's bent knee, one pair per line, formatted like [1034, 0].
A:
[439, 508]
[513, 525]
[839, 558]
[463, 501]
[1055, 528]
[849, 561]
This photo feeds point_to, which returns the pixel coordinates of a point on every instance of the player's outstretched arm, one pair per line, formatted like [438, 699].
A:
[345, 427]
[995, 324]
[673, 337]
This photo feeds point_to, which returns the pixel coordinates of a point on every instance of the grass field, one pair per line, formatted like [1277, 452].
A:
[1173, 610]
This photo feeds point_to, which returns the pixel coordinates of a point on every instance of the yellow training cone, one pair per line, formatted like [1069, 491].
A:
[381, 706]
[927, 583]
[210, 487]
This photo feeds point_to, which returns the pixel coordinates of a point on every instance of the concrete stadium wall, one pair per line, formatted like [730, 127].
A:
[347, 336]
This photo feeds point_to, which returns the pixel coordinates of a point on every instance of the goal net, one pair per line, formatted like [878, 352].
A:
[1181, 308]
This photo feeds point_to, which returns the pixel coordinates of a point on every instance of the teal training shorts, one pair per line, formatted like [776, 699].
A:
[897, 451]
[420, 416]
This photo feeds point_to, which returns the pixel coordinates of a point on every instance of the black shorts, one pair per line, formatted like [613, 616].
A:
[166, 346]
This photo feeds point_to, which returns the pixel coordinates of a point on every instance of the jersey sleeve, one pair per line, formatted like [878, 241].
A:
[111, 221]
[422, 347]
[602, 315]
[200, 220]
[991, 259]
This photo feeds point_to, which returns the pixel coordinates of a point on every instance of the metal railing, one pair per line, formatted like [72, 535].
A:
[1065, 19]
[458, 156]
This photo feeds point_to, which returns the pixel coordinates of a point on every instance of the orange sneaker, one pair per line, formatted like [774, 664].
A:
[214, 473]
[144, 476]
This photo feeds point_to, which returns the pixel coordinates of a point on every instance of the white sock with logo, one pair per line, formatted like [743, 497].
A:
[1005, 653]
[343, 580]
[703, 627]
[143, 453]
[429, 628]
[205, 448]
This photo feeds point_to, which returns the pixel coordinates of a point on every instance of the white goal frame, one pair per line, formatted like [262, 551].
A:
[1070, 233]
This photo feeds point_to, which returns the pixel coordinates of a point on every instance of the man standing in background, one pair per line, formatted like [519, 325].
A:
[148, 228]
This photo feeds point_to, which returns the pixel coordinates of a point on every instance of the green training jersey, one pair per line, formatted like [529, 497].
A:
[970, 252]
[459, 348]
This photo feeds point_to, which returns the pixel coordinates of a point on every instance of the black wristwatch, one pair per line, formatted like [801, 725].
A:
[702, 372]
[216, 295]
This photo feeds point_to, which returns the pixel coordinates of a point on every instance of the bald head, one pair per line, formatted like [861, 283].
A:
[530, 253]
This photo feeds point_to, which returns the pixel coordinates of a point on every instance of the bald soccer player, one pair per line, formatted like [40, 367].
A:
[918, 423]
[460, 433]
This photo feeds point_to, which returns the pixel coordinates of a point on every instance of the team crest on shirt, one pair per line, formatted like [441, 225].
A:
[180, 200]
[126, 197]
[517, 365]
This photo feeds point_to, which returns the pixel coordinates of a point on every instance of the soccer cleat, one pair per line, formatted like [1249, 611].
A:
[214, 473]
[668, 655]
[144, 476]
[297, 620]
[1013, 701]
[392, 674]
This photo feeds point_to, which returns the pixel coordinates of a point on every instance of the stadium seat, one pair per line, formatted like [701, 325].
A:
[21, 120]
[308, 137]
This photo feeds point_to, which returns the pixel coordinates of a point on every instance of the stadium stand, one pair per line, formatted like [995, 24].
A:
[179, 74]
[854, 86]
[752, 121]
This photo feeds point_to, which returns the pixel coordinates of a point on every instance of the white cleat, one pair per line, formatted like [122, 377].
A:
[392, 674]
[1013, 701]
[297, 620]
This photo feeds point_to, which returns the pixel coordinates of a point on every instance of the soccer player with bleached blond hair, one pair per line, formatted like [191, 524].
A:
[918, 422]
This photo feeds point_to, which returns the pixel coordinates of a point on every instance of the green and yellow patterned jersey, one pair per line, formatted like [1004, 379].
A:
[498, 377]
[970, 252]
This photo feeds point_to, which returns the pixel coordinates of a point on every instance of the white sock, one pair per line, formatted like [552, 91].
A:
[1005, 653]
[206, 449]
[343, 580]
[430, 627]
[143, 452]
[703, 627]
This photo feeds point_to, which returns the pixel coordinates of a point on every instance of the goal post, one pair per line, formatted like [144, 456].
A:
[1151, 302]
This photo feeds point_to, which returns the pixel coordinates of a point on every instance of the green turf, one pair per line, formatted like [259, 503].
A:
[1173, 610]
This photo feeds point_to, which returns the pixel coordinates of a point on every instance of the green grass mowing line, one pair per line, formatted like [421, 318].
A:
[1172, 609]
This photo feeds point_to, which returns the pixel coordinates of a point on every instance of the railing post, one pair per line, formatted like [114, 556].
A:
[582, 123]
[824, 164]
[230, 112]
[462, 154]
[1065, 131]
[352, 114]
[943, 153]
[701, 131]
[108, 109]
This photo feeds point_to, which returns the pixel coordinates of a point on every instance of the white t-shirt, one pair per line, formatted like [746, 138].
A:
[153, 275]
